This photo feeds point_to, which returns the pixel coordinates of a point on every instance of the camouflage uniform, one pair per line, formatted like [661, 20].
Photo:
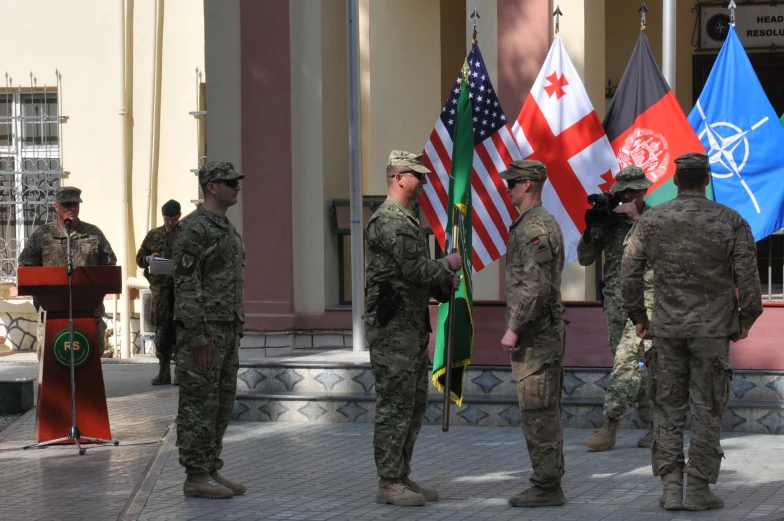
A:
[158, 240]
[89, 247]
[398, 258]
[209, 265]
[626, 385]
[702, 253]
[534, 310]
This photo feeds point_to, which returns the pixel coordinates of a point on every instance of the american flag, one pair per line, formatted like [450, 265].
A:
[494, 149]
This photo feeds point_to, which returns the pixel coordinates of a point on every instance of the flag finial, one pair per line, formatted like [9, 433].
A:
[557, 14]
[475, 16]
[732, 7]
[642, 10]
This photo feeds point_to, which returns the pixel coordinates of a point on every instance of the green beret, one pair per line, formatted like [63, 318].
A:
[171, 208]
[692, 161]
[68, 194]
[412, 161]
[631, 178]
[525, 169]
[218, 171]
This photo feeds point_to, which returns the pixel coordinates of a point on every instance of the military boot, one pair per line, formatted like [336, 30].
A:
[539, 497]
[237, 488]
[164, 375]
[646, 441]
[396, 493]
[202, 485]
[604, 438]
[699, 496]
[430, 494]
[672, 495]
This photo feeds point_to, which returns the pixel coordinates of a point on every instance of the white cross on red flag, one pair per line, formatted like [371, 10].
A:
[559, 127]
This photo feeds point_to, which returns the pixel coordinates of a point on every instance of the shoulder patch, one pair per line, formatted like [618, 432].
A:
[536, 238]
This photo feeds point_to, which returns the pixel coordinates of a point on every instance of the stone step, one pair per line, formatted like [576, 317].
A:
[478, 410]
[342, 377]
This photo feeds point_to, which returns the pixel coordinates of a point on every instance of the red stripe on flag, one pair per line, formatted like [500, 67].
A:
[483, 194]
[484, 236]
[506, 156]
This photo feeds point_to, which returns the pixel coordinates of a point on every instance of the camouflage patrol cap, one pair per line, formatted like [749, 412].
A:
[692, 161]
[412, 161]
[525, 169]
[68, 194]
[631, 178]
[218, 171]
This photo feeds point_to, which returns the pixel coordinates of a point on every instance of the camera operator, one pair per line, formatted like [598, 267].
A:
[613, 215]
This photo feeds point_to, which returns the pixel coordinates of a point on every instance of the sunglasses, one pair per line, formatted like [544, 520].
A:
[231, 183]
[418, 175]
[514, 182]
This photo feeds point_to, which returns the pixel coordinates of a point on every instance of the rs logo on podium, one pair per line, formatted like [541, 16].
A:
[82, 349]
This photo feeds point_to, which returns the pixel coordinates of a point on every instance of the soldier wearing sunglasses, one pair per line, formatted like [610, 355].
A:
[209, 265]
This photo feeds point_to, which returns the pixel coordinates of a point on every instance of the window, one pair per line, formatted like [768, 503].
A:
[30, 168]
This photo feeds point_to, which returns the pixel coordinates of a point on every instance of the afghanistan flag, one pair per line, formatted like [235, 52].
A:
[645, 124]
[460, 198]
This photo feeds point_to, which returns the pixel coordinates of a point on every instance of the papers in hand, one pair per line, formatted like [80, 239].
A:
[161, 266]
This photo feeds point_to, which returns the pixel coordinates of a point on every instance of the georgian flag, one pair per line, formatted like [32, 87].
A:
[559, 127]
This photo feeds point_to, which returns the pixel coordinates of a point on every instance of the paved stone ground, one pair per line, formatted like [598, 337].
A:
[316, 472]
[56, 483]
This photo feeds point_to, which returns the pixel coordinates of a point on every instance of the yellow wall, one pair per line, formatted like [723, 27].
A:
[405, 75]
[319, 107]
[224, 110]
[83, 42]
[182, 53]
[623, 29]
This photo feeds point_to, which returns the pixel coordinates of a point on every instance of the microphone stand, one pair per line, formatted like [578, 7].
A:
[73, 434]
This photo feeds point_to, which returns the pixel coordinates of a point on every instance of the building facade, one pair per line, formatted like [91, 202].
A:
[271, 95]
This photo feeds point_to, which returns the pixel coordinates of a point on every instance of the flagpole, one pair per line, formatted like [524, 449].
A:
[668, 42]
[456, 218]
[355, 165]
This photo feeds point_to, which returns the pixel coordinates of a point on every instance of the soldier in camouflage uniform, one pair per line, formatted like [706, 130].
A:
[89, 247]
[707, 292]
[400, 279]
[536, 330]
[156, 244]
[209, 265]
[626, 384]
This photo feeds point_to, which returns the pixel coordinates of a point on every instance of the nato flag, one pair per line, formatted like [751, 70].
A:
[744, 140]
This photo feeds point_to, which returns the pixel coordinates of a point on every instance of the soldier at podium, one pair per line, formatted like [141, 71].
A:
[89, 247]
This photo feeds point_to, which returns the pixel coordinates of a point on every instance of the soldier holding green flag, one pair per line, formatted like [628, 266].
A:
[536, 330]
[400, 278]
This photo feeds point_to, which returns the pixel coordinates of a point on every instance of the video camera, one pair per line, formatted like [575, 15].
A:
[601, 214]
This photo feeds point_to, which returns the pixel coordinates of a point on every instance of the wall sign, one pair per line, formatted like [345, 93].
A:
[758, 25]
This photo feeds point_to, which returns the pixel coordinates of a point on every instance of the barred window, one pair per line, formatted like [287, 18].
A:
[30, 168]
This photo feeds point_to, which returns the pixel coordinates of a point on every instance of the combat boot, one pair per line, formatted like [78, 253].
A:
[237, 488]
[604, 438]
[699, 496]
[672, 495]
[646, 441]
[396, 493]
[430, 494]
[539, 497]
[202, 485]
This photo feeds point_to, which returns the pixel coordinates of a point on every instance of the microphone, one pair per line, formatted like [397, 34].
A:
[69, 262]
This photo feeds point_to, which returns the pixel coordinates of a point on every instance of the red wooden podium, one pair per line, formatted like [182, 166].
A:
[89, 285]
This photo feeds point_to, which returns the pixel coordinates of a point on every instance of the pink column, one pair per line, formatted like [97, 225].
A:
[266, 160]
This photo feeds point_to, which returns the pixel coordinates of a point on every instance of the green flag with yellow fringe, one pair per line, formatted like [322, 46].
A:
[460, 198]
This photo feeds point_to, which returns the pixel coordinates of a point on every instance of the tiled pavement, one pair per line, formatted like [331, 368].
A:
[317, 472]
